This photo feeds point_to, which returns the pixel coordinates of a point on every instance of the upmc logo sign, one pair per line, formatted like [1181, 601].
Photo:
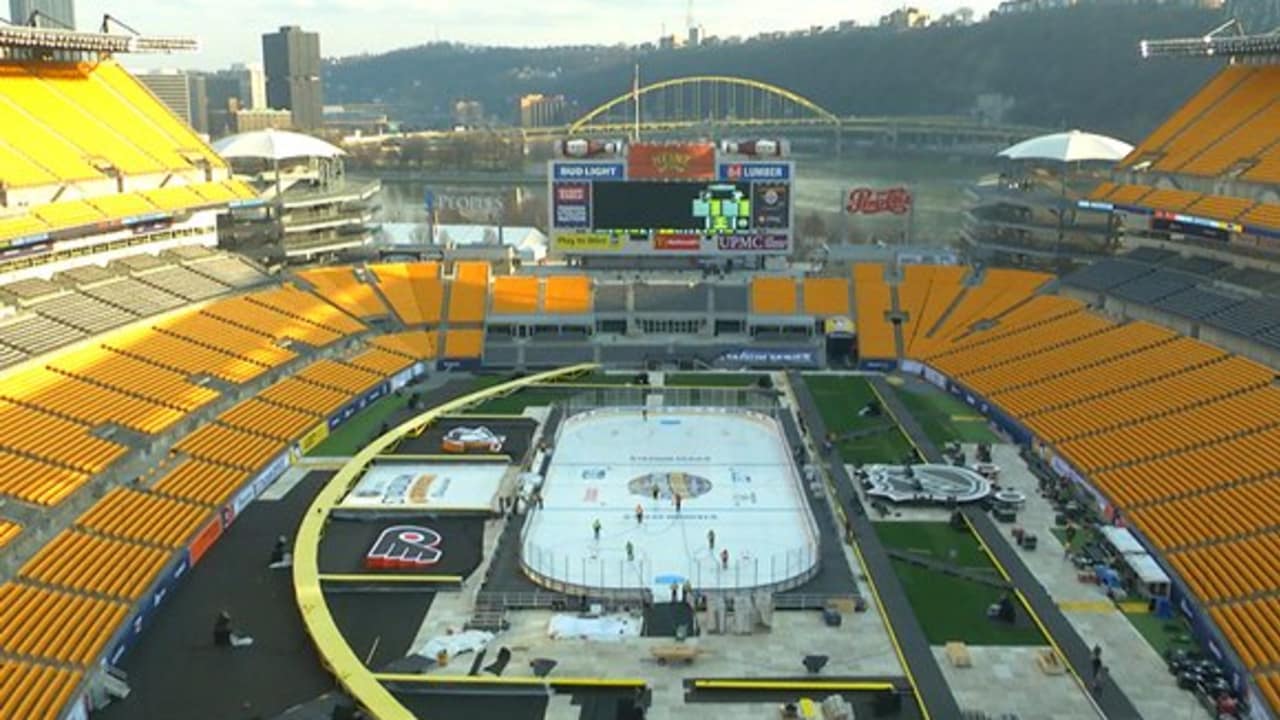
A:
[752, 242]
[755, 171]
[867, 201]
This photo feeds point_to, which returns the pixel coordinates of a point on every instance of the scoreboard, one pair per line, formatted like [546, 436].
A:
[661, 199]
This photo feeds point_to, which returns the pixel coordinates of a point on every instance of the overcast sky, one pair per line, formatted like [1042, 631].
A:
[229, 30]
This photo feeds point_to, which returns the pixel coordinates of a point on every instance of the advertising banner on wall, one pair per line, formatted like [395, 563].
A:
[677, 241]
[871, 201]
[752, 243]
[313, 437]
[671, 161]
[260, 482]
[590, 242]
[204, 540]
[771, 203]
[769, 357]
[571, 205]
[588, 171]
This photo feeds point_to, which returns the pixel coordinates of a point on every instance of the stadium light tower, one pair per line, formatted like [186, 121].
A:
[37, 39]
[1227, 40]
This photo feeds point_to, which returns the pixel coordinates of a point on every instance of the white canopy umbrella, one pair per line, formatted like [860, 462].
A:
[1072, 146]
[276, 145]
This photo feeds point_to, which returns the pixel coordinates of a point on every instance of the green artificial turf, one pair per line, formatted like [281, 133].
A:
[943, 417]
[950, 607]
[839, 398]
[1161, 634]
[742, 379]
[516, 402]
[350, 437]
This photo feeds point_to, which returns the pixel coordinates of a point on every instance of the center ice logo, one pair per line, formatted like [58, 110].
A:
[669, 484]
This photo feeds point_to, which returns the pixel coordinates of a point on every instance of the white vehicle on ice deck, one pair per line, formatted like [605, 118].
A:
[476, 439]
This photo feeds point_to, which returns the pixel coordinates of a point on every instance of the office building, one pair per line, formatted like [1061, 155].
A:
[198, 99]
[54, 13]
[292, 63]
[249, 120]
[172, 88]
[253, 85]
[540, 110]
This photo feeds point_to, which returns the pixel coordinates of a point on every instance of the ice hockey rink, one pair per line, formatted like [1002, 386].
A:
[733, 472]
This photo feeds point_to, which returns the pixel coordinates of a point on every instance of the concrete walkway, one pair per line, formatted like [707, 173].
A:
[1110, 699]
[921, 664]
[1131, 660]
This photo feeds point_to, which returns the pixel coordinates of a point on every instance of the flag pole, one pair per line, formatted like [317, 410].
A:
[635, 100]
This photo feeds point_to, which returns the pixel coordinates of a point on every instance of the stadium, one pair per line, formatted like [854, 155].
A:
[621, 486]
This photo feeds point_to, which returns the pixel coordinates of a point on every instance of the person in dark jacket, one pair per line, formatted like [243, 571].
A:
[225, 636]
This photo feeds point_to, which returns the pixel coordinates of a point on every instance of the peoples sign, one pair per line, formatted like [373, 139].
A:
[867, 201]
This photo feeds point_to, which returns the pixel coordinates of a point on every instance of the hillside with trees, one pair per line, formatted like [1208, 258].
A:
[1076, 67]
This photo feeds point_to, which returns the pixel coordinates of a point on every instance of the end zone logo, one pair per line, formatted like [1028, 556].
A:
[404, 547]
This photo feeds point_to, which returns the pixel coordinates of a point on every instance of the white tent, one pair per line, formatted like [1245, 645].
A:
[1073, 146]
[271, 144]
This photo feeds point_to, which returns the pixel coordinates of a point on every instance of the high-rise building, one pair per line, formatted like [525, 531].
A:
[172, 88]
[253, 85]
[198, 99]
[224, 98]
[540, 110]
[292, 62]
[55, 13]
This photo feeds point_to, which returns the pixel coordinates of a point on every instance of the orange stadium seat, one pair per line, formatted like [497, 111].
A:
[566, 294]
[415, 344]
[8, 531]
[414, 290]
[383, 362]
[826, 297]
[35, 692]
[340, 286]
[144, 517]
[75, 560]
[463, 344]
[872, 303]
[468, 292]
[202, 482]
[54, 625]
[262, 418]
[515, 295]
[773, 295]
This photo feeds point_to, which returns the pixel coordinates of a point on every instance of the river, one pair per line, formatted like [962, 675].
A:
[937, 185]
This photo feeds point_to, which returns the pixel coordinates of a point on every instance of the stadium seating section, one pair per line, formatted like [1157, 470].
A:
[341, 287]
[1183, 437]
[77, 121]
[468, 292]
[566, 294]
[414, 290]
[872, 305]
[1230, 128]
[1250, 213]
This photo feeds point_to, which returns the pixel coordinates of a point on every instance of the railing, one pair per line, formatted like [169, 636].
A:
[610, 574]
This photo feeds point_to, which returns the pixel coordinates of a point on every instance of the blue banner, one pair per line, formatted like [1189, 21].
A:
[768, 357]
[588, 171]
[466, 364]
[755, 171]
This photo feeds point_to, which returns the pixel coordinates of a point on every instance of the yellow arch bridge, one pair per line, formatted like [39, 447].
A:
[708, 104]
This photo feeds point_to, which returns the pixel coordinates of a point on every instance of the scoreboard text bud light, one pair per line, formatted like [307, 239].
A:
[583, 148]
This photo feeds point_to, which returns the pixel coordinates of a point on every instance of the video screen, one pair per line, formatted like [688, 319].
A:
[708, 207]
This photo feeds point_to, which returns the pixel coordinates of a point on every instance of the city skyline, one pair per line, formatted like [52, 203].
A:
[353, 27]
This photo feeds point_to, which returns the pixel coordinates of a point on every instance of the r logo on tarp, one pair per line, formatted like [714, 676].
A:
[405, 547]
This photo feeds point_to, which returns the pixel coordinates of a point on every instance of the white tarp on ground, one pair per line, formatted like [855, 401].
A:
[467, 641]
[608, 627]
[437, 486]
[733, 471]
